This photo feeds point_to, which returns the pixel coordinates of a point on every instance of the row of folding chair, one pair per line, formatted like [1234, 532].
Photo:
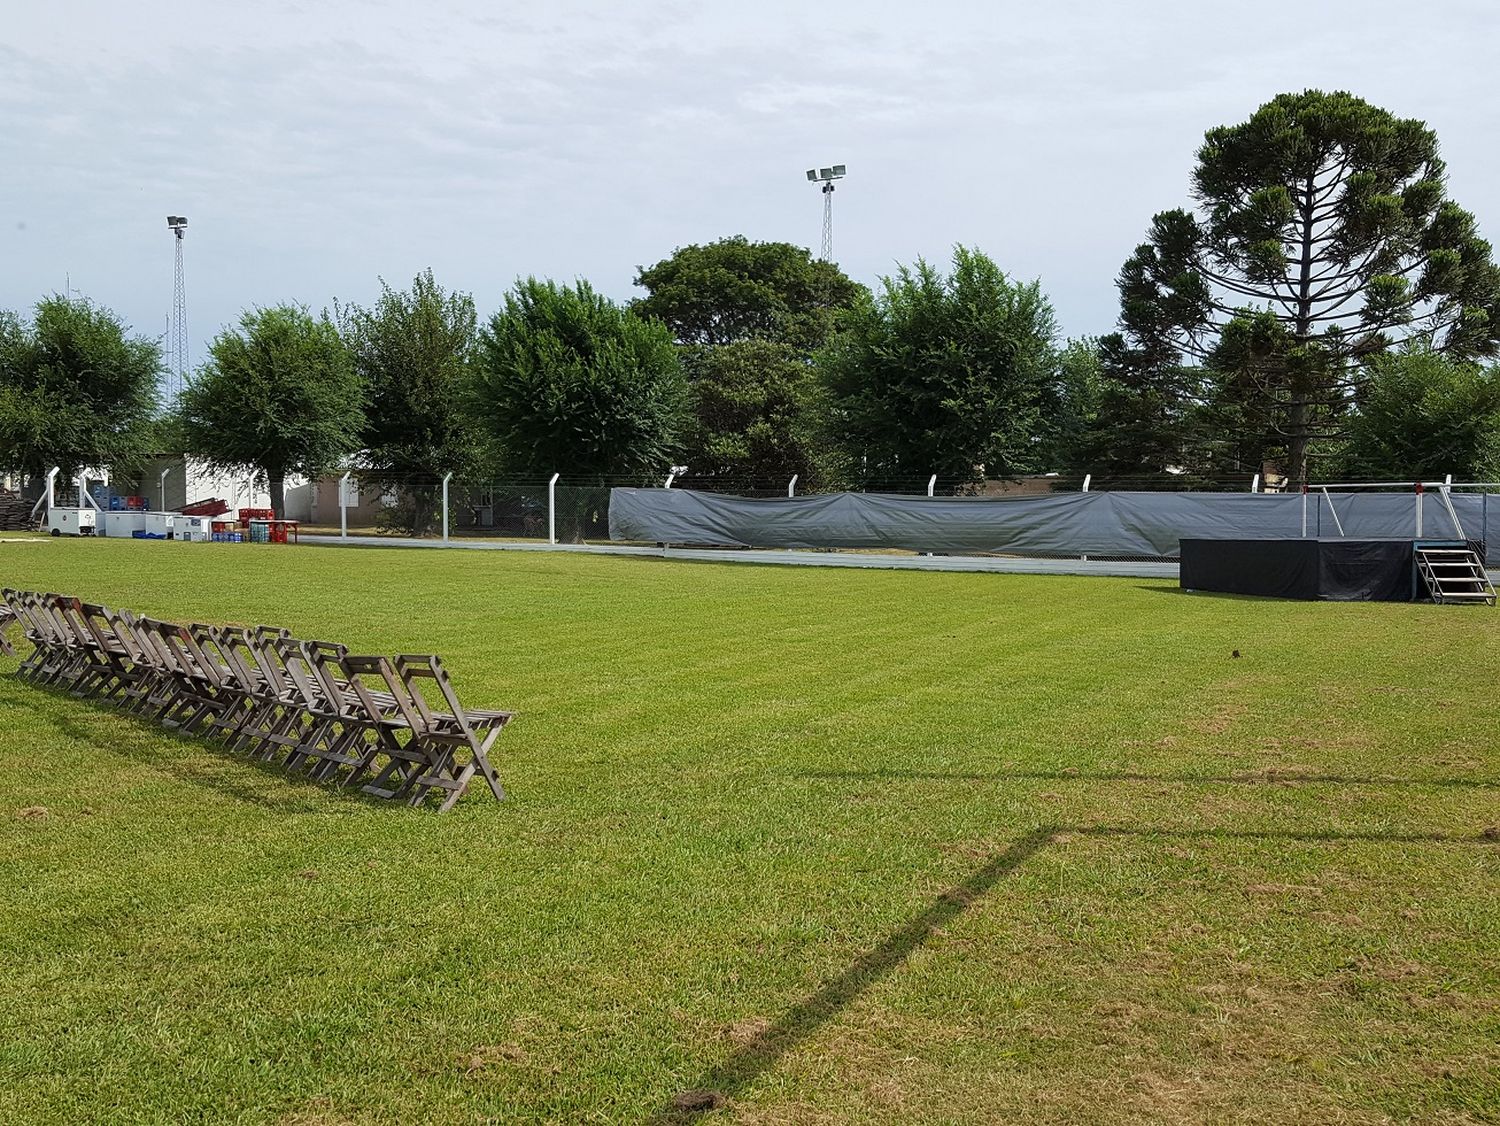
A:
[394, 727]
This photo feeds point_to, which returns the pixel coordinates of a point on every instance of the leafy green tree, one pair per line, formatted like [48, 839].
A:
[735, 289]
[413, 351]
[943, 375]
[1323, 237]
[753, 415]
[568, 381]
[278, 395]
[1423, 415]
[75, 389]
[748, 316]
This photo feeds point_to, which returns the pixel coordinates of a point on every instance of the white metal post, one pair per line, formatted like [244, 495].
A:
[162, 485]
[791, 486]
[931, 484]
[552, 508]
[1087, 477]
[446, 478]
[51, 489]
[1419, 510]
[344, 505]
[1255, 484]
[1304, 510]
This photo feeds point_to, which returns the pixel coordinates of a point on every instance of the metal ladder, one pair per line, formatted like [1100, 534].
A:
[1454, 574]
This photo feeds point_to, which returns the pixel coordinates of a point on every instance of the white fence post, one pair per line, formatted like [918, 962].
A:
[1304, 509]
[931, 483]
[162, 486]
[552, 509]
[791, 486]
[344, 505]
[1419, 510]
[672, 476]
[446, 478]
[1255, 484]
[1087, 477]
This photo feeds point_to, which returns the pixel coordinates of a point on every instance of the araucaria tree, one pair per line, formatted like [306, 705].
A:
[278, 395]
[412, 351]
[945, 375]
[567, 381]
[75, 390]
[1323, 236]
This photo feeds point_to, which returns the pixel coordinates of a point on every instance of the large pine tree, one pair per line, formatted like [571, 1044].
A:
[1323, 236]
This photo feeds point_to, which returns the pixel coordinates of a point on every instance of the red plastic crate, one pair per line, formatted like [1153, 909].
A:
[249, 514]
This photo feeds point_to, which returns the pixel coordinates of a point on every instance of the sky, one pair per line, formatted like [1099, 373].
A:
[318, 147]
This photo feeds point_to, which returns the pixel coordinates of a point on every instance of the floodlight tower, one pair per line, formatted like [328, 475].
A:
[177, 343]
[826, 177]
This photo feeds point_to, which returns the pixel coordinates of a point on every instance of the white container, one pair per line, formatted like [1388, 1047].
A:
[121, 523]
[193, 529]
[158, 523]
[71, 521]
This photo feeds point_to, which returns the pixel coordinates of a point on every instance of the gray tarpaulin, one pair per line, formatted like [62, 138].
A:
[1105, 523]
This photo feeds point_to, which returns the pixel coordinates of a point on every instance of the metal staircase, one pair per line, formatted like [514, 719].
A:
[1454, 574]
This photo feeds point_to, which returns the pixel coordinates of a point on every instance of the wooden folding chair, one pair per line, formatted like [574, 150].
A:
[459, 739]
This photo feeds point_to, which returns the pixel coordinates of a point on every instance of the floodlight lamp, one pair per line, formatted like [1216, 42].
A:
[812, 173]
[825, 173]
[838, 170]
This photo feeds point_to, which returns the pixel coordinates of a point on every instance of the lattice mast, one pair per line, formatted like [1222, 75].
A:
[177, 335]
[826, 177]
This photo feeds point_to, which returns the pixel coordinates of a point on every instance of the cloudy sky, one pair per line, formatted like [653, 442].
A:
[316, 146]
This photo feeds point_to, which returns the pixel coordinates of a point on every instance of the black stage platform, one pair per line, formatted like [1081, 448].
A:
[1330, 570]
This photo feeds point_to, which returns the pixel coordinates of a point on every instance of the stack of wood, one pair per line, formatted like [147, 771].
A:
[15, 513]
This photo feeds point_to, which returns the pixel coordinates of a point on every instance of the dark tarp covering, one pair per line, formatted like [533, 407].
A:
[1058, 524]
[1330, 570]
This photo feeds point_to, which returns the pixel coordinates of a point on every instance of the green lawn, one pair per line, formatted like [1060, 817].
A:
[837, 845]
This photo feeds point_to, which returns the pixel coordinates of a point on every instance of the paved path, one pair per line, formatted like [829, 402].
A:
[786, 558]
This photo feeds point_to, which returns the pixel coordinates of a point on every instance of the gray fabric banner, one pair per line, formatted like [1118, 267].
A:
[1061, 524]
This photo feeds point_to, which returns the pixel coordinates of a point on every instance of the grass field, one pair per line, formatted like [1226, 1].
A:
[835, 845]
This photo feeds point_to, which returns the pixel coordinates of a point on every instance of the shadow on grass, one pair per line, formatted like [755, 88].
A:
[1269, 779]
[810, 1014]
[747, 1063]
[296, 801]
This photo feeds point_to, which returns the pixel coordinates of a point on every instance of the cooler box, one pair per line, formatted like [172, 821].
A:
[193, 529]
[119, 522]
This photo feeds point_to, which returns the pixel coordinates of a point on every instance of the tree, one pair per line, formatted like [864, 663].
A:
[75, 389]
[752, 415]
[567, 381]
[279, 395]
[1423, 415]
[942, 375]
[735, 289]
[412, 351]
[1323, 237]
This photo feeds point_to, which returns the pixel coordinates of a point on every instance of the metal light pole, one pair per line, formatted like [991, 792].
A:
[826, 177]
[177, 343]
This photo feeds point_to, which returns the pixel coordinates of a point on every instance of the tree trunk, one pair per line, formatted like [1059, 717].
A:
[277, 487]
[1298, 430]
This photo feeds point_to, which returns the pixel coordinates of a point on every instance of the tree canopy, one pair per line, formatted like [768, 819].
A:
[412, 351]
[1427, 415]
[754, 408]
[942, 375]
[1323, 236]
[735, 289]
[279, 395]
[75, 389]
[567, 380]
